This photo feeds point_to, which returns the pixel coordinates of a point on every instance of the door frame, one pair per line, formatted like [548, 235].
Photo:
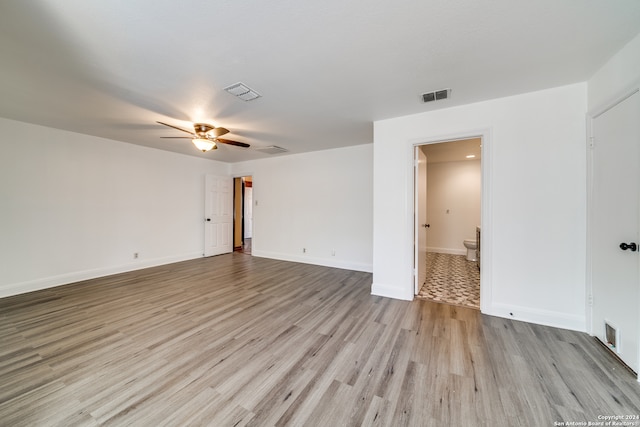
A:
[253, 223]
[419, 181]
[591, 116]
[238, 212]
[486, 213]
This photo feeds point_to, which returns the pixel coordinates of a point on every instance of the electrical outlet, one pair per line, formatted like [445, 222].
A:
[333, 252]
[135, 255]
[304, 250]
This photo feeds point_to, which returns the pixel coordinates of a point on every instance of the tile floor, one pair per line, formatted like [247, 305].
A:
[451, 279]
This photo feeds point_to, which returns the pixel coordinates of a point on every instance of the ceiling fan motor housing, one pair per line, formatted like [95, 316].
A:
[202, 129]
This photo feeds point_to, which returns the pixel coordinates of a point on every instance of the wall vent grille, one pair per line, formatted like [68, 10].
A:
[436, 95]
[272, 149]
[611, 336]
[242, 91]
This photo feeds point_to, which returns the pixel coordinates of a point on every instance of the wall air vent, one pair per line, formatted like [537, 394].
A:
[436, 95]
[272, 149]
[243, 92]
[612, 337]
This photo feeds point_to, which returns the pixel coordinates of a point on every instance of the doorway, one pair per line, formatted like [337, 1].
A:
[218, 212]
[447, 212]
[614, 229]
[243, 214]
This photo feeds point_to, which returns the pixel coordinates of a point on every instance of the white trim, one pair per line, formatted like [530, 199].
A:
[485, 134]
[391, 291]
[541, 317]
[78, 276]
[588, 255]
[614, 100]
[306, 259]
[240, 175]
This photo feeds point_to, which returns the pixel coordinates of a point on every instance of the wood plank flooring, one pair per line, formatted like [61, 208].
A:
[236, 340]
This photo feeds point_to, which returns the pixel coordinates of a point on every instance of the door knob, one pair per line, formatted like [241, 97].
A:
[632, 246]
[208, 219]
[426, 225]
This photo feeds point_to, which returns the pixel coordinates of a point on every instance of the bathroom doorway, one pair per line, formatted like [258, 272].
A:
[447, 212]
[242, 214]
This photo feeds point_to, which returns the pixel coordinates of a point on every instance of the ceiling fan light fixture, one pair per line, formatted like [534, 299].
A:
[204, 144]
[205, 136]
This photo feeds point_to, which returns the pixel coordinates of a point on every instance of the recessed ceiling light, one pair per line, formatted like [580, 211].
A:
[471, 156]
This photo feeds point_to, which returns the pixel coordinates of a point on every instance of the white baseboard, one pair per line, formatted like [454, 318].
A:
[78, 276]
[389, 291]
[325, 262]
[448, 251]
[540, 317]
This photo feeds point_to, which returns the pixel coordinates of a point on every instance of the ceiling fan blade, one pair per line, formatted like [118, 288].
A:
[216, 132]
[177, 137]
[236, 143]
[176, 127]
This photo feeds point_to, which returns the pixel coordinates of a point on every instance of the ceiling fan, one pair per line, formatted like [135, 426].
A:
[205, 137]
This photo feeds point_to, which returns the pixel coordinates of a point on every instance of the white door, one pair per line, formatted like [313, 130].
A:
[615, 220]
[218, 211]
[420, 217]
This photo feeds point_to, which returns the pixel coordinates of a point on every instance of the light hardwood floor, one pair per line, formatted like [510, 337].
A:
[236, 340]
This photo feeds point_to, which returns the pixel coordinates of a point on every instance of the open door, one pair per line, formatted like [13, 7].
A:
[218, 210]
[614, 229]
[420, 218]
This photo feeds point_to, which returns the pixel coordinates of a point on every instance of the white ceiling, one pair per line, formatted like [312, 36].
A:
[453, 151]
[325, 69]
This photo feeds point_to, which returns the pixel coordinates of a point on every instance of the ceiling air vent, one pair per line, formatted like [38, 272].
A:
[243, 92]
[272, 149]
[436, 95]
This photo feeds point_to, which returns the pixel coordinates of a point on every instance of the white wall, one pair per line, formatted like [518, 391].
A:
[321, 201]
[76, 207]
[453, 205]
[537, 157]
[619, 74]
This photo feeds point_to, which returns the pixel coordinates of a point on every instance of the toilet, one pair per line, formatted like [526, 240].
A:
[471, 246]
